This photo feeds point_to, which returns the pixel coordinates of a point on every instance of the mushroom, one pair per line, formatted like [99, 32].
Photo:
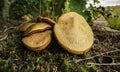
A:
[73, 33]
[37, 41]
[38, 27]
[46, 19]
[37, 36]
[24, 27]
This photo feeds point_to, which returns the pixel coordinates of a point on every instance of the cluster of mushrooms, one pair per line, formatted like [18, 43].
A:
[71, 31]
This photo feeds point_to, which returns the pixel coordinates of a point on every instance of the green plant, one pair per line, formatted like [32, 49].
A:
[39, 7]
[66, 65]
[78, 6]
[114, 23]
[51, 8]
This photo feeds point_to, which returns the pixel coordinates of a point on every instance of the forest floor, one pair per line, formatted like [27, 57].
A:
[104, 55]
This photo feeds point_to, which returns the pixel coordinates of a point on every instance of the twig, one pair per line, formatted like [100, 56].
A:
[9, 28]
[10, 60]
[79, 60]
[3, 38]
[5, 31]
[104, 64]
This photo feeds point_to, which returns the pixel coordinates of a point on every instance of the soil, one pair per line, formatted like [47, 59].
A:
[106, 40]
[12, 49]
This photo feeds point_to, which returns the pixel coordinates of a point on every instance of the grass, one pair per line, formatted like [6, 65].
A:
[114, 22]
[116, 9]
[15, 57]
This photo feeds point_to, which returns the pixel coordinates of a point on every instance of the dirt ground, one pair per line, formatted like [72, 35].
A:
[104, 55]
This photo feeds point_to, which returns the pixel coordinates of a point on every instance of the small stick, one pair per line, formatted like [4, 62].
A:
[79, 60]
[8, 29]
[3, 38]
[10, 60]
[104, 64]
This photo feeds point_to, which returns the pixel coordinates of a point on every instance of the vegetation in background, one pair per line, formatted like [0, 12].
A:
[116, 9]
[114, 17]
[114, 23]
[50, 8]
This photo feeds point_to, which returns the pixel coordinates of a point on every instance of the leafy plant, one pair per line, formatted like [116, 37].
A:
[39, 7]
[78, 6]
[67, 65]
[94, 12]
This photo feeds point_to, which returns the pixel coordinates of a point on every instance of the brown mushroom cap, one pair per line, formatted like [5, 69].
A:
[37, 41]
[46, 19]
[73, 33]
[38, 27]
[24, 27]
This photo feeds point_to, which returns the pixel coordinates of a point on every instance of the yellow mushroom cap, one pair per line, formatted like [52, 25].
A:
[38, 27]
[74, 33]
[24, 27]
[46, 19]
[37, 41]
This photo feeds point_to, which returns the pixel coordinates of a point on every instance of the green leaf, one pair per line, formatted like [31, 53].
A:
[87, 15]
[77, 5]
[66, 64]
[41, 61]
[96, 1]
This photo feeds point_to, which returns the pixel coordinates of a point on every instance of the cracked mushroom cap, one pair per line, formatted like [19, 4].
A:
[25, 26]
[38, 27]
[37, 41]
[74, 33]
